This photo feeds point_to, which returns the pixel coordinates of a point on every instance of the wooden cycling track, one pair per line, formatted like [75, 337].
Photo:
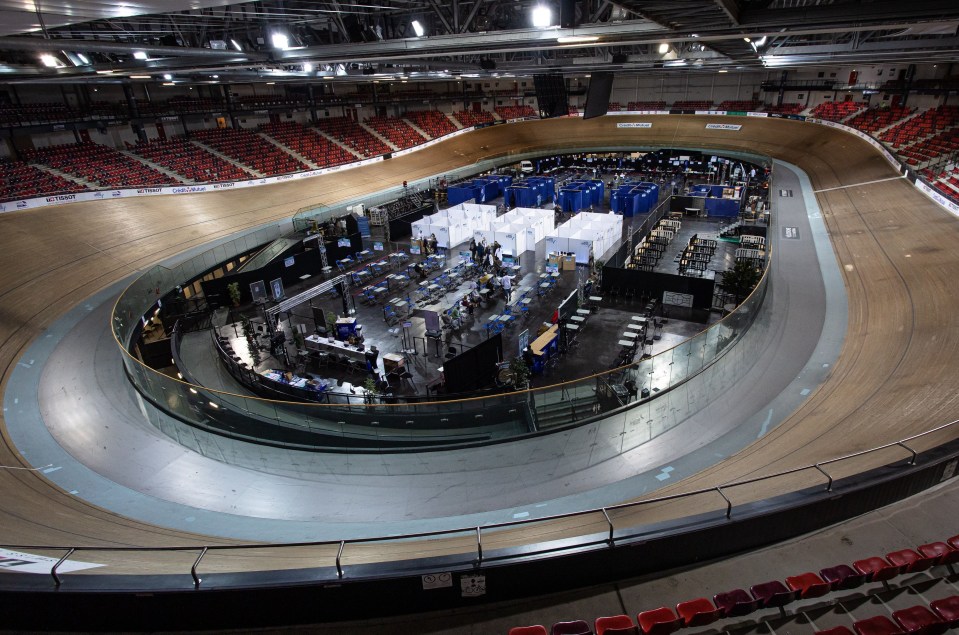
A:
[895, 376]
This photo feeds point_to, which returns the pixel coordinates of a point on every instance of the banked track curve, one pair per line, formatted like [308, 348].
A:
[895, 376]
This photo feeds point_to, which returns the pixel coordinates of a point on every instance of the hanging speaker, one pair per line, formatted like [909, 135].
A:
[597, 96]
[551, 95]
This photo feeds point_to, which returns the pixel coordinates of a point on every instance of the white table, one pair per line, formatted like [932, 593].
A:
[639, 318]
[336, 347]
[635, 327]
[630, 335]
[626, 343]
[578, 319]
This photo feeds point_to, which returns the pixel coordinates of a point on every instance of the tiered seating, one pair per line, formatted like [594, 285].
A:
[876, 119]
[432, 122]
[397, 131]
[515, 112]
[474, 118]
[307, 143]
[353, 136]
[189, 160]
[928, 123]
[22, 180]
[693, 105]
[251, 150]
[947, 182]
[647, 105]
[941, 613]
[928, 149]
[614, 106]
[99, 164]
[786, 109]
[40, 113]
[837, 110]
[751, 105]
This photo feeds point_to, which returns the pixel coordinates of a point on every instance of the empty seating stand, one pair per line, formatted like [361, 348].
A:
[837, 110]
[22, 180]
[251, 150]
[353, 136]
[515, 112]
[786, 109]
[432, 122]
[396, 131]
[646, 105]
[99, 165]
[308, 144]
[189, 160]
[471, 118]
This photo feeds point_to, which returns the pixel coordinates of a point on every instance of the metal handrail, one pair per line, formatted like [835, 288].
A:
[605, 511]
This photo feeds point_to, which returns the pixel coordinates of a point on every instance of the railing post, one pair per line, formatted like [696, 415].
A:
[196, 579]
[479, 545]
[729, 503]
[53, 570]
[339, 556]
[610, 523]
[915, 455]
[829, 482]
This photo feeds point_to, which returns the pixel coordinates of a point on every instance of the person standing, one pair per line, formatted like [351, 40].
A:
[507, 285]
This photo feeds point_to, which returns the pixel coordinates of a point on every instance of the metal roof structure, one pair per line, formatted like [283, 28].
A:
[300, 40]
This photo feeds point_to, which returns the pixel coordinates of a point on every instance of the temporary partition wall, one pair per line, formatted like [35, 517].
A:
[456, 224]
[579, 195]
[531, 192]
[586, 234]
[631, 199]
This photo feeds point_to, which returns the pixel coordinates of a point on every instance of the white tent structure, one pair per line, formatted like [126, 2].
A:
[454, 225]
[518, 230]
[586, 234]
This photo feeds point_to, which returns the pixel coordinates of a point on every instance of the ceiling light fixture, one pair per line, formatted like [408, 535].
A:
[141, 77]
[746, 40]
[761, 41]
[236, 45]
[663, 48]
[83, 58]
[167, 76]
[271, 83]
[107, 72]
[169, 84]
[280, 41]
[307, 67]
[722, 70]
[49, 60]
[542, 16]
[417, 28]
[140, 55]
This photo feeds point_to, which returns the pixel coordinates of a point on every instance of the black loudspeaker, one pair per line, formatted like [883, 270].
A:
[567, 14]
[620, 58]
[597, 96]
[487, 64]
[551, 96]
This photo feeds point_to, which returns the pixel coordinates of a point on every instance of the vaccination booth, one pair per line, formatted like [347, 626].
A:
[479, 190]
[454, 225]
[531, 192]
[578, 195]
[584, 235]
[518, 230]
[719, 200]
[633, 199]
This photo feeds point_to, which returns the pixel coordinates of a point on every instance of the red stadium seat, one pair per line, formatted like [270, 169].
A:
[528, 630]
[610, 625]
[943, 553]
[919, 620]
[575, 627]
[878, 569]
[698, 612]
[661, 621]
[909, 561]
[879, 625]
[842, 576]
[947, 609]
[809, 585]
[736, 602]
